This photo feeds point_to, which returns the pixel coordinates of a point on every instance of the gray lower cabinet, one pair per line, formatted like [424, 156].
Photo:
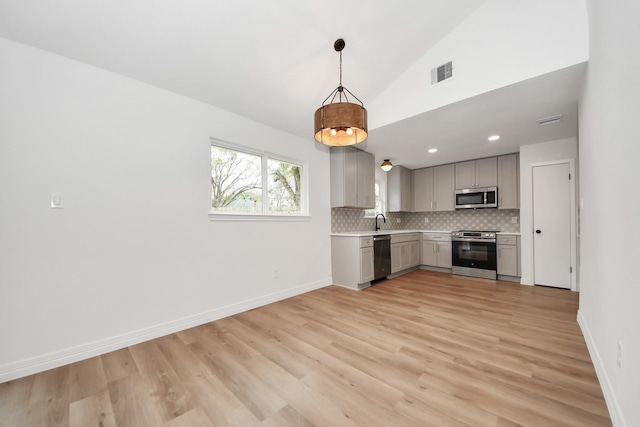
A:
[405, 251]
[508, 253]
[352, 261]
[436, 250]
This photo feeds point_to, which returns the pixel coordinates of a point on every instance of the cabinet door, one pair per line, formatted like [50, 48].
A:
[429, 254]
[405, 190]
[344, 177]
[508, 182]
[366, 180]
[366, 265]
[405, 255]
[465, 175]
[487, 172]
[399, 192]
[415, 254]
[423, 190]
[396, 257]
[444, 188]
[444, 254]
[507, 260]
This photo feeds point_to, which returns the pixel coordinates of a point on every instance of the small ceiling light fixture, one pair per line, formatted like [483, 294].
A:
[494, 137]
[340, 122]
[386, 165]
[433, 150]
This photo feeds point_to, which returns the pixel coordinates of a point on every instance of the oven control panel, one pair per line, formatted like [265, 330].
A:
[465, 234]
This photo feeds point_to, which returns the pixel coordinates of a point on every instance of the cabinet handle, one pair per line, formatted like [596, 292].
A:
[431, 206]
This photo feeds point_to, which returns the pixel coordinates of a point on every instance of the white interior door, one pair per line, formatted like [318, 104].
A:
[552, 225]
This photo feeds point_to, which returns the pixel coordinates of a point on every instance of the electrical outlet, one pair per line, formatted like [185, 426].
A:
[426, 220]
[398, 220]
[619, 355]
[514, 220]
[57, 200]
[276, 273]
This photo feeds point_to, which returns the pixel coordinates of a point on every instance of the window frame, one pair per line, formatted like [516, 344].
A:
[264, 170]
[382, 196]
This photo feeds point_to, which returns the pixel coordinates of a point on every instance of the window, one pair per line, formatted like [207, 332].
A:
[250, 183]
[380, 200]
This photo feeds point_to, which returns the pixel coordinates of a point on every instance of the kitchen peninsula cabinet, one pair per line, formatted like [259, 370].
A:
[436, 250]
[352, 261]
[399, 189]
[477, 173]
[352, 178]
[433, 189]
[508, 182]
[405, 251]
[508, 252]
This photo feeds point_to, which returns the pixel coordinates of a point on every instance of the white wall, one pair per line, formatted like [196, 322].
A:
[564, 149]
[502, 43]
[133, 253]
[609, 175]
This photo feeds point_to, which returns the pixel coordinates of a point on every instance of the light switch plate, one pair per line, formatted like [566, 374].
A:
[57, 200]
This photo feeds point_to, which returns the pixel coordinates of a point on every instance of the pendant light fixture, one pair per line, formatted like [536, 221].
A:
[386, 165]
[340, 122]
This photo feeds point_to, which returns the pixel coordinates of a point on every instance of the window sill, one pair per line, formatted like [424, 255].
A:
[258, 217]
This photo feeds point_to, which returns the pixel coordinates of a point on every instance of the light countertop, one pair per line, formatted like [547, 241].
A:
[379, 232]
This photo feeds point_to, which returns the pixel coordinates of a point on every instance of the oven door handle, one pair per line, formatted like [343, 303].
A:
[474, 240]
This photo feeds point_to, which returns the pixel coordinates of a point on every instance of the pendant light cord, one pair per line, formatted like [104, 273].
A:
[340, 75]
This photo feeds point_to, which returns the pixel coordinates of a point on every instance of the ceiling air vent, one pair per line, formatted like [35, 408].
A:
[549, 120]
[442, 73]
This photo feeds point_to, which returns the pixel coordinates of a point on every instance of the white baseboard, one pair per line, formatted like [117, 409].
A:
[55, 359]
[609, 396]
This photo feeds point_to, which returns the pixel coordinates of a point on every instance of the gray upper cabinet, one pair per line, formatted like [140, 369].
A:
[399, 190]
[433, 189]
[352, 178]
[477, 173]
[422, 190]
[443, 187]
[508, 182]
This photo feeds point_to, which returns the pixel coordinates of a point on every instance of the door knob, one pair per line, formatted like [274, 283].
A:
[538, 231]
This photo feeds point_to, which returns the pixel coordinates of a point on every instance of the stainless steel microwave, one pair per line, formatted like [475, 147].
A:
[474, 198]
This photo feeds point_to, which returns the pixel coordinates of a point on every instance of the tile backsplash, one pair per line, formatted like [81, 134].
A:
[353, 220]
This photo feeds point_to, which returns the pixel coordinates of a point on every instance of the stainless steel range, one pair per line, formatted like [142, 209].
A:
[473, 253]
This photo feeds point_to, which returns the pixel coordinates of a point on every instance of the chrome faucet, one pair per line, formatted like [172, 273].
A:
[384, 220]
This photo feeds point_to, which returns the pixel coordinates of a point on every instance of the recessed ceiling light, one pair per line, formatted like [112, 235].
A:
[433, 150]
[494, 137]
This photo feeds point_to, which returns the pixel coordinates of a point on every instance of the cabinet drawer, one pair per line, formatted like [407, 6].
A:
[507, 240]
[366, 242]
[441, 237]
[402, 238]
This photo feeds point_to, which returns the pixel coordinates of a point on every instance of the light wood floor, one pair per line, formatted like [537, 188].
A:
[424, 349]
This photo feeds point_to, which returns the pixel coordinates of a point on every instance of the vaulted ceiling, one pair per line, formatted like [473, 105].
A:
[273, 62]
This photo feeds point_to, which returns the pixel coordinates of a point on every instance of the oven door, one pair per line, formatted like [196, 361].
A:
[474, 254]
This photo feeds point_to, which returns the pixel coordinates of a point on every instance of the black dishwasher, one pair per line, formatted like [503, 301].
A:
[381, 256]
